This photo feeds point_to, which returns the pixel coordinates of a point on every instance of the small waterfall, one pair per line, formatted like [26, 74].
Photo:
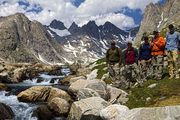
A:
[46, 80]
[22, 111]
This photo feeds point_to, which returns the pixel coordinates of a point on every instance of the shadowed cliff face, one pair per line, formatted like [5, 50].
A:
[159, 16]
[22, 40]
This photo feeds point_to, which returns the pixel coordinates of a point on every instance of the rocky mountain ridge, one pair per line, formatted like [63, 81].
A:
[89, 42]
[158, 17]
[23, 40]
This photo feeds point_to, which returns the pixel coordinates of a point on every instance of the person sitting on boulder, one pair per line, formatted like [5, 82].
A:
[172, 41]
[145, 58]
[157, 52]
[131, 70]
[113, 59]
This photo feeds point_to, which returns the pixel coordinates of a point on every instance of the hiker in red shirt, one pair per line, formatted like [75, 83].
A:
[157, 52]
[130, 60]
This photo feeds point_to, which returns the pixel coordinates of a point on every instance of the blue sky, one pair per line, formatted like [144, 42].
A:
[120, 12]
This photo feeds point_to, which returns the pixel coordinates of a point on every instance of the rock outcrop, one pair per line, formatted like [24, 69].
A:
[21, 40]
[87, 93]
[96, 85]
[113, 111]
[43, 113]
[119, 112]
[117, 95]
[17, 72]
[59, 106]
[5, 112]
[42, 94]
[87, 109]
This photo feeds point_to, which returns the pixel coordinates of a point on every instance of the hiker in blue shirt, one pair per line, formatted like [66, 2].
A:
[172, 41]
[145, 59]
[145, 50]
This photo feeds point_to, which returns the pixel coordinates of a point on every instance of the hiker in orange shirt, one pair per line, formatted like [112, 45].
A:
[157, 52]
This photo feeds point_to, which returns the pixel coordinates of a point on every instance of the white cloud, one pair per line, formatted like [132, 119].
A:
[98, 10]
[120, 20]
[7, 9]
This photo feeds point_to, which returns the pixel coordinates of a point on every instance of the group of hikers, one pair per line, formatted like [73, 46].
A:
[130, 66]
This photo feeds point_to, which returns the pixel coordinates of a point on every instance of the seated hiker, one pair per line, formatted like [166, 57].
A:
[131, 71]
[157, 52]
[113, 59]
[145, 59]
[172, 41]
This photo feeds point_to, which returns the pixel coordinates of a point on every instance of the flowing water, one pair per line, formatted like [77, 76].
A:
[24, 111]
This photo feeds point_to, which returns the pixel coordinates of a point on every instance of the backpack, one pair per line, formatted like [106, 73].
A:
[130, 56]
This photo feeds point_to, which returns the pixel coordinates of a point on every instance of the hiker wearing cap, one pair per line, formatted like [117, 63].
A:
[130, 60]
[157, 52]
[145, 58]
[113, 59]
[172, 41]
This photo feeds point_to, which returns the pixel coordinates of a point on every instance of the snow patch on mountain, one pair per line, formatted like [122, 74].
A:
[61, 33]
[52, 35]
[160, 22]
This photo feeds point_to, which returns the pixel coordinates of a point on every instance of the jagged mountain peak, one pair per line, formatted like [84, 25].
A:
[73, 25]
[92, 22]
[57, 25]
[107, 23]
[74, 28]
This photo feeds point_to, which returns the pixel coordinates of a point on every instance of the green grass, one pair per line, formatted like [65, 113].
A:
[100, 61]
[101, 70]
[101, 66]
[167, 92]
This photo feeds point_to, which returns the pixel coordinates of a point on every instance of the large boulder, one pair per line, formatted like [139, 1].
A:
[97, 85]
[156, 113]
[55, 92]
[113, 111]
[59, 106]
[117, 95]
[100, 87]
[5, 112]
[4, 77]
[86, 93]
[43, 113]
[87, 109]
[119, 112]
[71, 79]
[19, 75]
[42, 94]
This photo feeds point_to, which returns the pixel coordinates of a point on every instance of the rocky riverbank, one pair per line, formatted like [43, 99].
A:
[17, 72]
[89, 98]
